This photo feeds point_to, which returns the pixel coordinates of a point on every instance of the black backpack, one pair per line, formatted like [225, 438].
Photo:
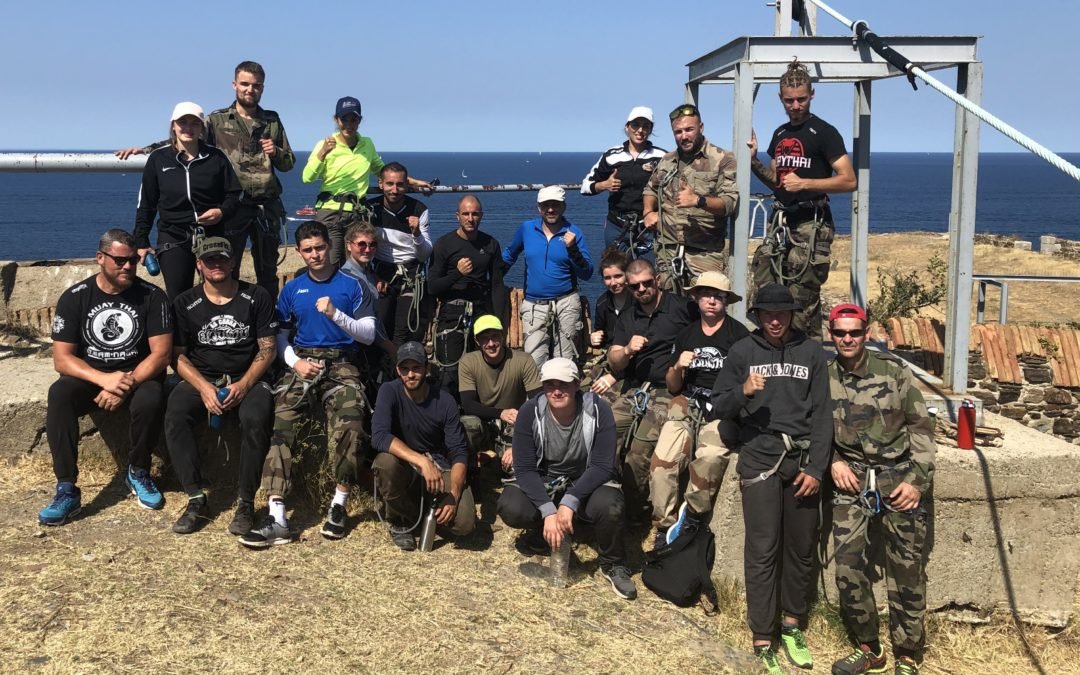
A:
[679, 572]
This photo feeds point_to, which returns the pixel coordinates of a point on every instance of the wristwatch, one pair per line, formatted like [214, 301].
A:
[701, 202]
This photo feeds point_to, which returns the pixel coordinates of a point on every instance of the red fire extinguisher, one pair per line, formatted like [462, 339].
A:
[965, 425]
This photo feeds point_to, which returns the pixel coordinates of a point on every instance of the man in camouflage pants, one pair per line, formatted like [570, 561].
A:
[688, 201]
[321, 359]
[254, 140]
[883, 465]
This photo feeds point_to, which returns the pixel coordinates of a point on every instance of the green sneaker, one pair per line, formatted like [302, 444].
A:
[794, 642]
[860, 661]
[905, 666]
[767, 655]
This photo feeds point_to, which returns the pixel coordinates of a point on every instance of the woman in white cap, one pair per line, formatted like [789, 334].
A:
[192, 189]
[623, 171]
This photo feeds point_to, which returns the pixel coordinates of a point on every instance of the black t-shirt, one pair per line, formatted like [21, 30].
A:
[709, 351]
[447, 283]
[112, 332]
[223, 339]
[807, 150]
[607, 315]
[651, 364]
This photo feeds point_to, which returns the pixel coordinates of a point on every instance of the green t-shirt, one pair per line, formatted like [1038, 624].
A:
[503, 386]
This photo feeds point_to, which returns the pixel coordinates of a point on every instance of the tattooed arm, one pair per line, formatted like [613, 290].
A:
[259, 365]
[765, 173]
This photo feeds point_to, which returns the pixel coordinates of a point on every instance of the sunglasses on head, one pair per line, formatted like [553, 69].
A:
[122, 260]
[684, 111]
[855, 333]
[643, 284]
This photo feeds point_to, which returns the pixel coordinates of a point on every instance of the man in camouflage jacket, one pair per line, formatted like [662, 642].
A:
[883, 463]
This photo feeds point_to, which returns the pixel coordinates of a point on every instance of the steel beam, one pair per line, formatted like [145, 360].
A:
[860, 200]
[91, 162]
[739, 237]
[783, 18]
[962, 229]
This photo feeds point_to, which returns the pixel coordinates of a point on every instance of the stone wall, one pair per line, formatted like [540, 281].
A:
[1058, 247]
[1035, 401]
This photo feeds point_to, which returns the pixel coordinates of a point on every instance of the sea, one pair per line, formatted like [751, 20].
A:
[48, 216]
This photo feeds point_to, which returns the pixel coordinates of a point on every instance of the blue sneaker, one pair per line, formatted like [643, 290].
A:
[676, 529]
[143, 487]
[65, 504]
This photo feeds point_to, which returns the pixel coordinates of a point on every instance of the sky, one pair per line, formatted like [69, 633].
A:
[492, 76]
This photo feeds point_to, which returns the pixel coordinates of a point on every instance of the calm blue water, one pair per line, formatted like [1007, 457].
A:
[61, 215]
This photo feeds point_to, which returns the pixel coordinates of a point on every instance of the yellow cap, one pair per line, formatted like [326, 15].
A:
[486, 322]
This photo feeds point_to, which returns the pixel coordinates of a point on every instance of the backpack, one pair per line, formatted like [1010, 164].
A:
[679, 572]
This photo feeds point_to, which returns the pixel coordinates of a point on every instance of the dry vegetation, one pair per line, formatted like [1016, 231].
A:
[117, 591]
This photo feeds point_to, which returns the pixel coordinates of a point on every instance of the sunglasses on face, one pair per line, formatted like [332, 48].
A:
[643, 284]
[120, 260]
[365, 244]
[684, 111]
[855, 333]
[640, 124]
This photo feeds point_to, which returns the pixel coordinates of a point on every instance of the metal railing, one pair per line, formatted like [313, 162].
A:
[1002, 282]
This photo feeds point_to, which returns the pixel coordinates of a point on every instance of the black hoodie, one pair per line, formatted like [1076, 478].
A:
[179, 192]
[795, 400]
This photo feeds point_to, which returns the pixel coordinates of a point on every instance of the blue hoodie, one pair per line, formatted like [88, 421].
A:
[550, 267]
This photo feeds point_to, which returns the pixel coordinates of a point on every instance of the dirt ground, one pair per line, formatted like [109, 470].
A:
[1028, 301]
[116, 591]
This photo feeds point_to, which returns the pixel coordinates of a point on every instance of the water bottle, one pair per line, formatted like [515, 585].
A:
[427, 534]
[215, 420]
[151, 264]
[560, 563]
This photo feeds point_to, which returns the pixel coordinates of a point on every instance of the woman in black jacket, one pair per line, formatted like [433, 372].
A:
[192, 188]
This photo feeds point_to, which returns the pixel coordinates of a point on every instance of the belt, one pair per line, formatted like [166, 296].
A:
[332, 354]
[550, 301]
[340, 202]
[808, 205]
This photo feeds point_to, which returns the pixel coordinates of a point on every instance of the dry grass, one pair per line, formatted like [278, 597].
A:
[1028, 302]
[117, 591]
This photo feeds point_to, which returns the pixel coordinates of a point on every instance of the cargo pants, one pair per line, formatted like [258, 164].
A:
[339, 390]
[636, 445]
[904, 537]
[697, 261]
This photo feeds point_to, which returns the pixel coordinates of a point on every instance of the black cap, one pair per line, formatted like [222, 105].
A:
[347, 105]
[411, 351]
[774, 298]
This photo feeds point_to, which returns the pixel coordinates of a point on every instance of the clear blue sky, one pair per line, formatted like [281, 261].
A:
[490, 76]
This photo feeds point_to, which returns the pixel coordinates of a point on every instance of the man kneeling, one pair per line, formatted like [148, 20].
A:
[566, 475]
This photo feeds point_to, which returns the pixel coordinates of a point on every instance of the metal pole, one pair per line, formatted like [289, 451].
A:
[783, 18]
[96, 162]
[860, 200]
[739, 241]
[962, 230]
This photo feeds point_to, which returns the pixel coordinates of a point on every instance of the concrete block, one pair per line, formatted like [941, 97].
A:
[1022, 245]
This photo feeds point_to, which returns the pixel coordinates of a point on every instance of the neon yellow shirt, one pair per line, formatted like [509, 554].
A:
[345, 169]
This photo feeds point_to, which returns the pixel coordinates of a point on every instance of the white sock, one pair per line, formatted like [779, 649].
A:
[277, 511]
[340, 497]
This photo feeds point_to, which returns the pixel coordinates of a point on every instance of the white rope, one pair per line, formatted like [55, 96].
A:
[1011, 132]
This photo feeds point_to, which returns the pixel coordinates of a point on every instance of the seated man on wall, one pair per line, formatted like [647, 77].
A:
[566, 473]
[494, 383]
[112, 339]
[422, 453]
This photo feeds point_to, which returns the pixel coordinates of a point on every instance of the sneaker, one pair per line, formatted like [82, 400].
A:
[243, 520]
[270, 534]
[532, 542]
[334, 527]
[861, 660]
[794, 643]
[767, 655]
[905, 666]
[686, 522]
[194, 516]
[403, 540]
[142, 486]
[65, 504]
[620, 580]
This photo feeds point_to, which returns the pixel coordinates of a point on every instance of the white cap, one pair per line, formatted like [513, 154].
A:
[551, 193]
[186, 108]
[563, 370]
[640, 111]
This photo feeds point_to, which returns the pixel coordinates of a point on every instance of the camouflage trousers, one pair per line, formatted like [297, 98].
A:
[340, 392]
[904, 536]
[676, 276]
[493, 436]
[637, 436]
[686, 442]
[797, 252]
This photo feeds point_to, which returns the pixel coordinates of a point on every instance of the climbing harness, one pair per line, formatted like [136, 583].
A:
[779, 238]
[802, 446]
[633, 240]
[462, 325]
[638, 407]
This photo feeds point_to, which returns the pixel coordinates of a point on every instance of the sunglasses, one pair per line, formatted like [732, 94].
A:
[855, 333]
[122, 260]
[684, 111]
[643, 284]
[640, 124]
[365, 244]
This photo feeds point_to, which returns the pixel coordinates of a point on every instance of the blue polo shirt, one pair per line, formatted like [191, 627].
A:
[550, 269]
[296, 308]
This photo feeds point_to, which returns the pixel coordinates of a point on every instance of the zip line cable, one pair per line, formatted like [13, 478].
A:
[862, 32]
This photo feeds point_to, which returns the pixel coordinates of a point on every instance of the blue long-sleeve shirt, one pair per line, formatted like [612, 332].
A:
[551, 269]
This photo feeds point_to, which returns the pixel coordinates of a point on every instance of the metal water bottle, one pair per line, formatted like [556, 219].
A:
[150, 262]
[215, 420]
[560, 563]
[427, 533]
[965, 425]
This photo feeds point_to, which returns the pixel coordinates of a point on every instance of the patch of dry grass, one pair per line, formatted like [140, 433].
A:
[117, 591]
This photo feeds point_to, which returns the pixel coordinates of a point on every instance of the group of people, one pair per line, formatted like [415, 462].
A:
[642, 435]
